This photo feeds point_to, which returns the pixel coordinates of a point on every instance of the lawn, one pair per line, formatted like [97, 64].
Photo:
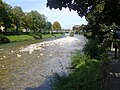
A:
[16, 38]
[19, 38]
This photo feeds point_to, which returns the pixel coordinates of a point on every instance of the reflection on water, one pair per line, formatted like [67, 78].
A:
[28, 64]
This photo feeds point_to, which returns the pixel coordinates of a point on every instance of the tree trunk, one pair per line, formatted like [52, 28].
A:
[17, 27]
[115, 52]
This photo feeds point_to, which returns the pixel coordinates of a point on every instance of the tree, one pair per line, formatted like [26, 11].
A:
[5, 15]
[56, 26]
[38, 21]
[48, 27]
[27, 21]
[78, 28]
[102, 20]
[102, 15]
[17, 14]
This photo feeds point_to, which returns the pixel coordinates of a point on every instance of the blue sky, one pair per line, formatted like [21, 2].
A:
[66, 18]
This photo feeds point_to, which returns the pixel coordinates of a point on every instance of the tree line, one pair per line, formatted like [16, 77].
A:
[14, 19]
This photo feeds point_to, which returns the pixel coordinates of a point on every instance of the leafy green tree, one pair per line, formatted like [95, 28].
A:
[102, 15]
[78, 28]
[17, 14]
[38, 21]
[101, 21]
[5, 15]
[27, 21]
[48, 27]
[56, 26]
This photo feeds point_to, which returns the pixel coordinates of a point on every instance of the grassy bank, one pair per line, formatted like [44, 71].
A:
[86, 75]
[50, 35]
[47, 36]
[58, 35]
[16, 38]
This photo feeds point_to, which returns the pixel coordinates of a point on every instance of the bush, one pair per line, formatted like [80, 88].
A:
[78, 58]
[93, 48]
[11, 30]
[71, 34]
[4, 39]
[37, 35]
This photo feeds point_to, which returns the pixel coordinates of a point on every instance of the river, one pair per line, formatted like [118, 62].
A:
[30, 65]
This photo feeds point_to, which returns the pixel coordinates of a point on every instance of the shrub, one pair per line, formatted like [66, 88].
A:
[37, 35]
[71, 34]
[4, 39]
[93, 48]
[78, 58]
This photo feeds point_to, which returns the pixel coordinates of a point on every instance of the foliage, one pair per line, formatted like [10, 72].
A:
[77, 59]
[86, 76]
[56, 26]
[71, 34]
[39, 34]
[35, 36]
[19, 38]
[102, 15]
[4, 39]
[93, 48]
[47, 35]
[78, 28]
[5, 15]
[14, 17]
[27, 21]
[17, 14]
[75, 27]
[48, 26]
[38, 23]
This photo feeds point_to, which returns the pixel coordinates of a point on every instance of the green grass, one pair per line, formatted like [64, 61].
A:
[46, 36]
[86, 75]
[50, 35]
[58, 35]
[16, 38]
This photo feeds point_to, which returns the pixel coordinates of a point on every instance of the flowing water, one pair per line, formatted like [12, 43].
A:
[30, 65]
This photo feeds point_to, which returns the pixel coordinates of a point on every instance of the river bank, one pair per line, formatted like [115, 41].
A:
[18, 38]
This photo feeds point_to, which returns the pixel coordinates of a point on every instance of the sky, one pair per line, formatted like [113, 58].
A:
[66, 18]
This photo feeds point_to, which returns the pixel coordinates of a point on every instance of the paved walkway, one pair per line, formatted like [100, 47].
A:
[113, 75]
